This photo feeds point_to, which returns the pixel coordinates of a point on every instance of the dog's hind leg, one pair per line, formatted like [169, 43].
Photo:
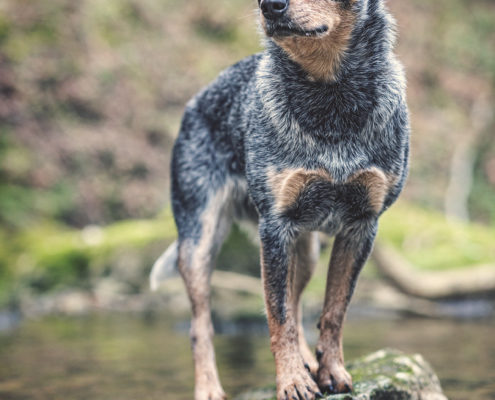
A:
[350, 251]
[197, 254]
[307, 253]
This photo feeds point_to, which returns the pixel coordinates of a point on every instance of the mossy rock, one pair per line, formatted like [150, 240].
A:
[384, 375]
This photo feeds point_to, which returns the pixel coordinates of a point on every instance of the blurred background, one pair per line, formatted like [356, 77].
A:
[91, 96]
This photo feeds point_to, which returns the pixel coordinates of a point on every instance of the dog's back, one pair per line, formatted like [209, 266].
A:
[209, 150]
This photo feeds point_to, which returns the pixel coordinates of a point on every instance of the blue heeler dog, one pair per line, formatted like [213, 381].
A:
[310, 135]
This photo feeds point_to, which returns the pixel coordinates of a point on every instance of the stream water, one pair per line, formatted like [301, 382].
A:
[148, 357]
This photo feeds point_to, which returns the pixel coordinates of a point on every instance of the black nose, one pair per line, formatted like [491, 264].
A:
[273, 9]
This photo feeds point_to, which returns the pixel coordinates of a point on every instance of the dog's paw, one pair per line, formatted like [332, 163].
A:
[297, 384]
[309, 359]
[209, 392]
[333, 378]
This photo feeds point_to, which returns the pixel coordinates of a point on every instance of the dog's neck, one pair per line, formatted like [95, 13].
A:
[347, 104]
[366, 35]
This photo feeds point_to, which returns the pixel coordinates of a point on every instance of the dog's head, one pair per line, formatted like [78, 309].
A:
[314, 33]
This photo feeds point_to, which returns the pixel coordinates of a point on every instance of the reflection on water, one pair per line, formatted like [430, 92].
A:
[139, 357]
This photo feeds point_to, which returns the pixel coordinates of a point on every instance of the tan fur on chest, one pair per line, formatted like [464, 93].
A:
[288, 184]
[377, 185]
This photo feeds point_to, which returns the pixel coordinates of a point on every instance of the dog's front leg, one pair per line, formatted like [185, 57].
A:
[278, 264]
[350, 251]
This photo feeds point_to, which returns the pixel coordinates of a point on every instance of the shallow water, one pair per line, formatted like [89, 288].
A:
[146, 357]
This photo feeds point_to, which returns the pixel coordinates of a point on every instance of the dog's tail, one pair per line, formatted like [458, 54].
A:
[165, 267]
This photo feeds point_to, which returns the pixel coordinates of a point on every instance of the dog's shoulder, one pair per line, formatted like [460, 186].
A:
[227, 85]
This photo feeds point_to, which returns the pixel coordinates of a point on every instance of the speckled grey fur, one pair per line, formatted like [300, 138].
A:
[264, 114]
[264, 111]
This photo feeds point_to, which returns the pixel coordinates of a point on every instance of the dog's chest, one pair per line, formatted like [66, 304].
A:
[314, 199]
[318, 182]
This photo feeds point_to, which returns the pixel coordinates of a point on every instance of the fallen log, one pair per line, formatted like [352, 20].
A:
[471, 281]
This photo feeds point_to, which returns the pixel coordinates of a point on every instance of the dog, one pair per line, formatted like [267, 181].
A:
[310, 135]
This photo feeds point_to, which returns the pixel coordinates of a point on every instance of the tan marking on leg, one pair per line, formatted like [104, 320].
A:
[288, 184]
[292, 376]
[320, 56]
[197, 280]
[307, 253]
[332, 318]
[195, 265]
[377, 183]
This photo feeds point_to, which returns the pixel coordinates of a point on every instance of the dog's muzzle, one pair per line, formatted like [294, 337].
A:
[279, 24]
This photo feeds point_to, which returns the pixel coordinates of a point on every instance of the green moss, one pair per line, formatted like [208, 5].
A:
[49, 256]
[46, 256]
[430, 241]
[68, 268]
[384, 375]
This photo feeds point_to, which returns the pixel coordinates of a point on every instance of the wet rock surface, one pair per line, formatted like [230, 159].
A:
[384, 375]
